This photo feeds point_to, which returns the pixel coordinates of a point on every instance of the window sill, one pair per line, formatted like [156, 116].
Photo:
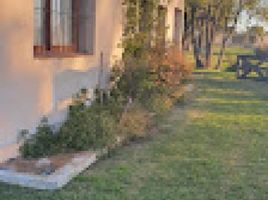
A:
[60, 55]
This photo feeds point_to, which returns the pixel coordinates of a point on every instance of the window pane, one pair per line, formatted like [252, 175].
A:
[86, 35]
[161, 29]
[177, 36]
[39, 7]
[61, 22]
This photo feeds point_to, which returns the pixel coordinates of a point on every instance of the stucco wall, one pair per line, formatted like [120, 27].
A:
[172, 5]
[32, 87]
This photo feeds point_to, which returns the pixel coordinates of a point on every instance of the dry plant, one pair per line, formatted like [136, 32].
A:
[134, 122]
[169, 66]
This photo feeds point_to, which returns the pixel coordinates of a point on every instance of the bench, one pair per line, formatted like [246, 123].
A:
[245, 65]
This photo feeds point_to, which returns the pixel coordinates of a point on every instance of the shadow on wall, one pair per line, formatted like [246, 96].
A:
[111, 30]
[31, 88]
[69, 83]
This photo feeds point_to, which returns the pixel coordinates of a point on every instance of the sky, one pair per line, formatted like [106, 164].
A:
[245, 21]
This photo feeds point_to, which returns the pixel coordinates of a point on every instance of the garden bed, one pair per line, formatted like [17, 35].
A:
[43, 166]
[146, 90]
[54, 172]
[26, 173]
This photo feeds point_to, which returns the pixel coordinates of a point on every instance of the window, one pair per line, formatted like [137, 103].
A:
[64, 27]
[161, 26]
[177, 36]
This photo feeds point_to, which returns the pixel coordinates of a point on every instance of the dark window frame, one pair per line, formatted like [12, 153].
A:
[162, 25]
[46, 49]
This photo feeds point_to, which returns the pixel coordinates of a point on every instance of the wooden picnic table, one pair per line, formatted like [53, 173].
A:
[245, 65]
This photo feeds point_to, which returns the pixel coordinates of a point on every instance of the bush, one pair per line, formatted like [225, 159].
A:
[152, 82]
[158, 103]
[177, 94]
[87, 130]
[133, 76]
[113, 103]
[134, 122]
[168, 66]
[41, 144]
[95, 126]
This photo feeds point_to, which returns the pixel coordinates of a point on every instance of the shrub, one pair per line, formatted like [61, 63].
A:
[168, 66]
[134, 122]
[152, 82]
[78, 102]
[41, 144]
[89, 128]
[113, 102]
[177, 94]
[85, 128]
[133, 76]
[158, 103]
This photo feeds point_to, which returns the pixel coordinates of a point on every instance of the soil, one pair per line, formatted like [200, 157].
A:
[30, 166]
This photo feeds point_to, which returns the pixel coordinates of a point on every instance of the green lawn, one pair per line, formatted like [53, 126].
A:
[212, 147]
[229, 59]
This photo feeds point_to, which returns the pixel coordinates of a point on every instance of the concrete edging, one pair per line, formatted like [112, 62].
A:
[56, 180]
[64, 175]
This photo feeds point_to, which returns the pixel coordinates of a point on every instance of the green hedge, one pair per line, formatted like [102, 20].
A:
[141, 92]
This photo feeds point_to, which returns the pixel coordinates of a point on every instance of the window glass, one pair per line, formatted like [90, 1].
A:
[61, 22]
[64, 26]
[39, 6]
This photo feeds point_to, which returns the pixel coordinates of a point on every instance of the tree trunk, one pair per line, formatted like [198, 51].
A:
[196, 39]
[229, 35]
[197, 43]
[210, 29]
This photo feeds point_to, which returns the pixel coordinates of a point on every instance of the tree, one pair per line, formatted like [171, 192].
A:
[256, 31]
[140, 17]
[204, 19]
[207, 17]
[250, 6]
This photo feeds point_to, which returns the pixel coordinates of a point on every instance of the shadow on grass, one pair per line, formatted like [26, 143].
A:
[231, 68]
[231, 96]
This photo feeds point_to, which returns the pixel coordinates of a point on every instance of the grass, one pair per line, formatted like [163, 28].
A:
[214, 147]
[230, 56]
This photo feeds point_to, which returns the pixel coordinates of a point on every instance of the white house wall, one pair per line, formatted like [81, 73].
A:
[171, 6]
[33, 87]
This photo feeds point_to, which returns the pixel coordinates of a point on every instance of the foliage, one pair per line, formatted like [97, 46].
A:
[85, 128]
[95, 126]
[91, 127]
[159, 103]
[256, 31]
[133, 76]
[42, 143]
[168, 66]
[167, 72]
[134, 122]
[206, 18]
[140, 17]
[146, 77]
[217, 150]
[162, 69]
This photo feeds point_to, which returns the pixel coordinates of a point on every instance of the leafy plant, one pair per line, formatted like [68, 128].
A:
[134, 122]
[87, 129]
[147, 77]
[168, 66]
[42, 143]
[158, 104]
